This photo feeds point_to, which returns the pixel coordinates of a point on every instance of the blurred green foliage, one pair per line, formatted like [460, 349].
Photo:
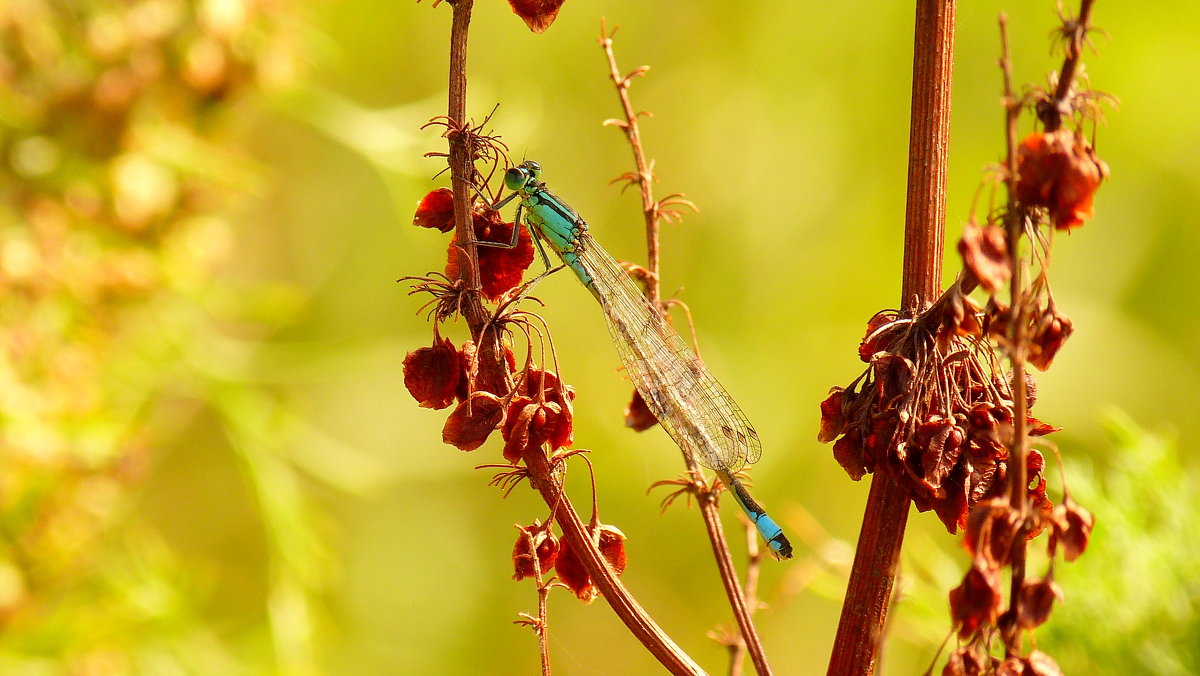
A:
[212, 465]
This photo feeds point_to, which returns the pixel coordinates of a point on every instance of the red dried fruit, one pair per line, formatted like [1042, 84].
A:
[984, 251]
[571, 573]
[1072, 528]
[500, 268]
[436, 210]
[967, 661]
[1049, 333]
[473, 420]
[990, 531]
[848, 451]
[432, 374]
[959, 317]
[878, 336]
[1040, 664]
[530, 423]
[537, 14]
[977, 601]
[611, 542]
[833, 423]
[1060, 171]
[1036, 600]
[638, 415]
[531, 538]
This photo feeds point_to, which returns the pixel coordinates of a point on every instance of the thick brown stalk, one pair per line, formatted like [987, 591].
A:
[868, 595]
[491, 361]
[707, 499]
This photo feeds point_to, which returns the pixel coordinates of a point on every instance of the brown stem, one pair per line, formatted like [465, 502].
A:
[1053, 112]
[868, 595]
[492, 364]
[707, 499]
[636, 619]
[649, 212]
[1014, 223]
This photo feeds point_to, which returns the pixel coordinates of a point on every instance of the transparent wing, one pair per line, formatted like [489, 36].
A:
[687, 400]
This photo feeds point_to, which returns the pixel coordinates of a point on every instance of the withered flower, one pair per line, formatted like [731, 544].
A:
[500, 268]
[1060, 171]
[432, 374]
[968, 660]
[1072, 527]
[537, 14]
[536, 537]
[473, 420]
[1036, 600]
[637, 415]
[571, 572]
[436, 210]
[1050, 330]
[984, 251]
[977, 601]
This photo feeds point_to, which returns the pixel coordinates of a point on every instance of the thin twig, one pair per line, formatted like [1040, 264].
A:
[1076, 32]
[651, 211]
[869, 591]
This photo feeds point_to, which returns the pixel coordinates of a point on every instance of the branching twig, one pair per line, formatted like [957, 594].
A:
[653, 211]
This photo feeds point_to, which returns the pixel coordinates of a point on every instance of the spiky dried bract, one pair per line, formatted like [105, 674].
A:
[535, 538]
[473, 421]
[537, 14]
[1059, 171]
[932, 410]
[500, 268]
[436, 210]
[432, 374]
[638, 416]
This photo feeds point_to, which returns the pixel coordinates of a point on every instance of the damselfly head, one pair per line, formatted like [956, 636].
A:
[518, 176]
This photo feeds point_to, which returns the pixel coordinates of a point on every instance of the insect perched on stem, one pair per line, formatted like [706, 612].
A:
[689, 403]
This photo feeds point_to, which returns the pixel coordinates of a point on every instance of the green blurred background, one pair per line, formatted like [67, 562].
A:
[295, 511]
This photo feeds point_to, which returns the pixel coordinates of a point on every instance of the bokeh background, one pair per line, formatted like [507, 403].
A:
[211, 465]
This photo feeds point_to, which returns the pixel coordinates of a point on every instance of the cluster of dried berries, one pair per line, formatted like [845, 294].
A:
[993, 533]
[932, 410]
[531, 407]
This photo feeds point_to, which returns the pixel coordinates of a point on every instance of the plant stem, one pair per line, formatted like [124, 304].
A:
[869, 592]
[706, 498]
[1051, 115]
[491, 361]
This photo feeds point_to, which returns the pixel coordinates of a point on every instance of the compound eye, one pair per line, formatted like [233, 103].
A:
[516, 177]
[535, 169]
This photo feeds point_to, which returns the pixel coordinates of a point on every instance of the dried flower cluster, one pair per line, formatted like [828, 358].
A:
[932, 409]
[531, 407]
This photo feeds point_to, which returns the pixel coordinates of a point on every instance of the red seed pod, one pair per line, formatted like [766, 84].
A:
[436, 210]
[531, 538]
[473, 420]
[537, 14]
[611, 542]
[1040, 664]
[1049, 333]
[977, 601]
[984, 251]
[990, 531]
[571, 573]
[878, 337]
[1060, 171]
[968, 661]
[848, 451]
[1072, 527]
[1036, 600]
[637, 415]
[833, 422]
[432, 374]
[500, 269]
